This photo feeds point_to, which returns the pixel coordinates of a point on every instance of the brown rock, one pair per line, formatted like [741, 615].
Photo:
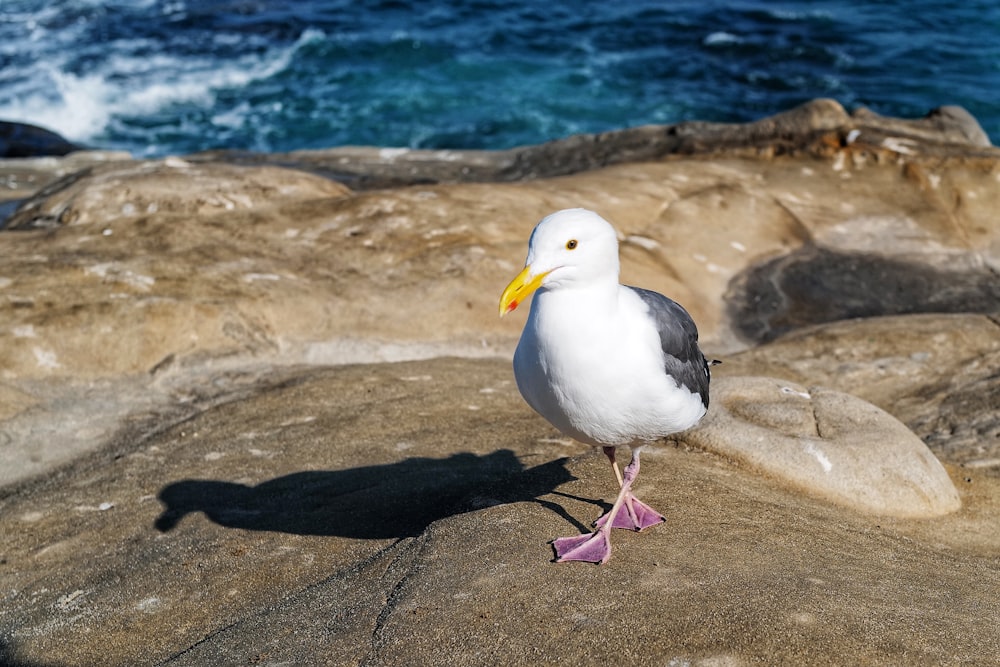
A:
[104, 195]
[397, 513]
[174, 487]
[935, 373]
[826, 443]
[24, 177]
[311, 273]
[817, 128]
[323, 275]
[946, 124]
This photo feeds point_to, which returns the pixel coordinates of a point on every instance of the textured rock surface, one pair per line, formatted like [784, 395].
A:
[22, 178]
[936, 373]
[129, 191]
[816, 128]
[317, 275]
[827, 443]
[368, 273]
[399, 514]
[182, 480]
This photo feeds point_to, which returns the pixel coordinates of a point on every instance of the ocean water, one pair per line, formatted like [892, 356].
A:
[159, 77]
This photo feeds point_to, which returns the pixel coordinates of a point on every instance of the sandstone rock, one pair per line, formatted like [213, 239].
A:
[826, 443]
[115, 192]
[311, 273]
[947, 124]
[396, 514]
[152, 399]
[817, 128]
[936, 373]
[23, 178]
[321, 274]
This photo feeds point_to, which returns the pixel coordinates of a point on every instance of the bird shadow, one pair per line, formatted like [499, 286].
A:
[392, 500]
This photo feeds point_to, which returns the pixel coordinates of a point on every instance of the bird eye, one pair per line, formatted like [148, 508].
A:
[571, 244]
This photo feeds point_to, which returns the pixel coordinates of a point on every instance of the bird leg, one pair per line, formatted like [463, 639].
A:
[596, 547]
[638, 515]
[610, 453]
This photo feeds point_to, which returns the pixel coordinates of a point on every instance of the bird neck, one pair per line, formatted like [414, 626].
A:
[584, 296]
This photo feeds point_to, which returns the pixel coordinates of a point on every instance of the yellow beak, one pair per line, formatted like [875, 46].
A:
[519, 289]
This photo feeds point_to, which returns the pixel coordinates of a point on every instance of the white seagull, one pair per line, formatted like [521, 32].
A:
[607, 364]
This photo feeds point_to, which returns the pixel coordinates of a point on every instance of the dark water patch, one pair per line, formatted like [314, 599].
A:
[7, 209]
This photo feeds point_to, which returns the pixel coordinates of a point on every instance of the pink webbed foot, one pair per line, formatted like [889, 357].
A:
[591, 548]
[596, 547]
[637, 516]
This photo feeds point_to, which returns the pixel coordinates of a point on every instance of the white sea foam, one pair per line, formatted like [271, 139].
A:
[132, 83]
[721, 38]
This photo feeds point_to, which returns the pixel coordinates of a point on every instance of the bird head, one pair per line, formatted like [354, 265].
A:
[573, 247]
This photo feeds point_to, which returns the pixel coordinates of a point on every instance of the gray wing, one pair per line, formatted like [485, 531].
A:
[682, 358]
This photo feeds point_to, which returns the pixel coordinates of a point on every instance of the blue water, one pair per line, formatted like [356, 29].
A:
[160, 77]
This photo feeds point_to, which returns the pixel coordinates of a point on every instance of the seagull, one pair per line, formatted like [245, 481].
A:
[607, 364]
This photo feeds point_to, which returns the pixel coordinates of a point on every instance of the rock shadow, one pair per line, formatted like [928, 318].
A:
[815, 285]
[11, 657]
[393, 500]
